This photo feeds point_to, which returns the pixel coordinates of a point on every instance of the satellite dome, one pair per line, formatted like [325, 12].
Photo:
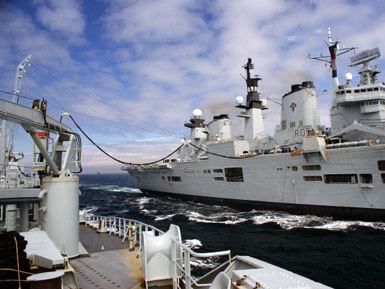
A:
[348, 76]
[264, 103]
[239, 100]
[197, 113]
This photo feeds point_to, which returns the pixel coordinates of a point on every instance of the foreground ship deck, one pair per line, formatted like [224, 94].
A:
[110, 263]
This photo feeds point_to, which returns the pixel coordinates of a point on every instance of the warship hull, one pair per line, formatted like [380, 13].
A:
[346, 183]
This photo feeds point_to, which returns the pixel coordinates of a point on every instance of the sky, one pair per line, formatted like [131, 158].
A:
[131, 72]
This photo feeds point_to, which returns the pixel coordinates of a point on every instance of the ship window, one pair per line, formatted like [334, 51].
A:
[292, 124]
[311, 168]
[294, 168]
[375, 102]
[383, 178]
[217, 171]
[375, 89]
[174, 178]
[363, 90]
[208, 171]
[342, 92]
[370, 89]
[348, 91]
[163, 178]
[234, 174]
[381, 165]
[283, 124]
[312, 178]
[356, 91]
[340, 178]
[219, 179]
[366, 178]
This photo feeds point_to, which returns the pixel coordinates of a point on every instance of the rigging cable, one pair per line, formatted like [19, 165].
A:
[98, 100]
[112, 157]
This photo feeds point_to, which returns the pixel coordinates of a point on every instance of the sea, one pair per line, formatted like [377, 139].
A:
[340, 254]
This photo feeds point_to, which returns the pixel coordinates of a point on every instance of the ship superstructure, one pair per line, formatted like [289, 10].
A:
[305, 168]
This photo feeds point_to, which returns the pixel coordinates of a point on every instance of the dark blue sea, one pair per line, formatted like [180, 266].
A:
[340, 254]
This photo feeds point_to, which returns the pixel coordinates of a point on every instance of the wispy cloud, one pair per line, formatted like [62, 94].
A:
[64, 18]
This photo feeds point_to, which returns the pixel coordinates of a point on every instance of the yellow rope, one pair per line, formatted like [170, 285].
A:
[10, 269]
[17, 260]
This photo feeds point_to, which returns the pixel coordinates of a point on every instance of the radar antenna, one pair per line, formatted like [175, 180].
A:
[365, 56]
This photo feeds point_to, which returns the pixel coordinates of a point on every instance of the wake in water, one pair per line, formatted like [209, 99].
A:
[161, 209]
[166, 208]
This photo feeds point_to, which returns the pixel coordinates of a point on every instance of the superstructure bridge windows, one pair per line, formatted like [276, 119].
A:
[217, 171]
[219, 179]
[340, 179]
[383, 178]
[234, 174]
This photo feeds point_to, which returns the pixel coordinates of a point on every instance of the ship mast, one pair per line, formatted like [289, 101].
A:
[254, 128]
[334, 51]
[333, 47]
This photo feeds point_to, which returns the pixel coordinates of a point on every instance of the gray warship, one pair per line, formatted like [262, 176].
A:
[46, 243]
[305, 168]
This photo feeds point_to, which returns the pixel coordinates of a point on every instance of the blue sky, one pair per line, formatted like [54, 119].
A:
[131, 72]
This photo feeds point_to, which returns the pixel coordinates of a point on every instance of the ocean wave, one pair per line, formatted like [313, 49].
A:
[164, 217]
[162, 209]
[193, 244]
[167, 208]
[110, 188]
[227, 218]
[288, 222]
[207, 263]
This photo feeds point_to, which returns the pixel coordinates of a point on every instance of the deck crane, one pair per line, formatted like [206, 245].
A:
[6, 142]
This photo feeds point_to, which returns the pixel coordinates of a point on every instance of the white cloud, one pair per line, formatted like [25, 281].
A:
[64, 18]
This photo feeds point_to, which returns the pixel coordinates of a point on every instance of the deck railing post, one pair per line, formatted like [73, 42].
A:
[173, 260]
[187, 268]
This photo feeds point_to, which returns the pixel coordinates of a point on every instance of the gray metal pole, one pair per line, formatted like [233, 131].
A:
[45, 154]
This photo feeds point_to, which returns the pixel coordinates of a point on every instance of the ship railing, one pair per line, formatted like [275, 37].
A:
[122, 227]
[132, 231]
[184, 266]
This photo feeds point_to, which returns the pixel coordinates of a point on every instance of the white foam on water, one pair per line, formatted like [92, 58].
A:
[193, 244]
[227, 218]
[164, 217]
[288, 222]
[205, 263]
